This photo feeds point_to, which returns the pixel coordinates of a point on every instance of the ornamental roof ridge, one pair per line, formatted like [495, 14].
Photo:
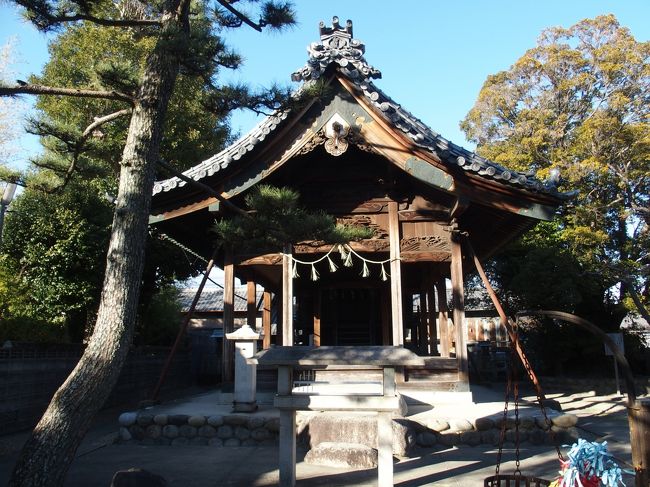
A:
[223, 159]
[336, 46]
[450, 153]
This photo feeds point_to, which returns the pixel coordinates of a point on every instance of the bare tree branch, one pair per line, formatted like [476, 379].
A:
[84, 136]
[29, 89]
[227, 5]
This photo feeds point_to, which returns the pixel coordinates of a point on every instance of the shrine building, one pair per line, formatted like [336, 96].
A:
[357, 155]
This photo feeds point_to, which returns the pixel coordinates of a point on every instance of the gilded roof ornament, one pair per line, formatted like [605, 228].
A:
[336, 46]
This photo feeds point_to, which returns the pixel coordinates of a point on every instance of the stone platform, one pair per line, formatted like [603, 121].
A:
[202, 420]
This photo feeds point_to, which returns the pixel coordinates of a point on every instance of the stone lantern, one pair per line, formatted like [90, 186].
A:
[245, 339]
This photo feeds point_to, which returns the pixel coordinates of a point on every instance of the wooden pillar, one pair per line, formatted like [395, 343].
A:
[317, 314]
[639, 420]
[251, 304]
[423, 332]
[395, 275]
[227, 371]
[431, 315]
[443, 325]
[386, 335]
[266, 319]
[287, 297]
[459, 308]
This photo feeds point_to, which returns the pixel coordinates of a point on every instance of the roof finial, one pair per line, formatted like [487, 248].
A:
[338, 47]
[336, 28]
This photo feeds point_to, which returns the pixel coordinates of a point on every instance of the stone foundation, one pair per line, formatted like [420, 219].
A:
[182, 429]
[315, 428]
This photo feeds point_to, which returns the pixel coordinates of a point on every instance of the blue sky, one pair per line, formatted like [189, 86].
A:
[434, 55]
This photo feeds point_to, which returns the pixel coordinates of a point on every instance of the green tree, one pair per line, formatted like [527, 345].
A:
[183, 37]
[578, 102]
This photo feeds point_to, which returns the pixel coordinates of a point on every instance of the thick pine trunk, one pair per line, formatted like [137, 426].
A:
[47, 455]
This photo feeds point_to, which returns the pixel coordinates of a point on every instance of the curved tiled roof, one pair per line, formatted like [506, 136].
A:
[338, 47]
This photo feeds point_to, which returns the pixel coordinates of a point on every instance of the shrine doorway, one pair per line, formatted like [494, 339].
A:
[351, 317]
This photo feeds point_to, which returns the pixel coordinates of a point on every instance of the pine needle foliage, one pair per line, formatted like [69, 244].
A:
[275, 218]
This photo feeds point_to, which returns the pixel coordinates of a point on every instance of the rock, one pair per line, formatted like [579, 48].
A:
[437, 425]
[255, 422]
[541, 423]
[232, 442]
[511, 436]
[187, 431]
[125, 434]
[510, 423]
[426, 439]
[242, 433]
[224, 432]
[137, 477]
[235, 419]
[527, 423]
[180, 441]
[273, 425]
[153, 431]
[403, 437]
[449, 438]
[144, 419]
[128, 419]
[565, 420]
[490, 437]
[260, 434]
[483, 424]
[197, 440]
[215, 421]
[177, 419]
[342, 455]
[160, 419]
[137, 432]
[356, 428]
[249, 442]
[471, 438]
[170, 431]
[460, 425]
[196, 421]
[207, 431]
[215, 442]
[537, 436]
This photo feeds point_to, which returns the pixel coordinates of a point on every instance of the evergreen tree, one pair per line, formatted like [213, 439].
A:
[184, 36]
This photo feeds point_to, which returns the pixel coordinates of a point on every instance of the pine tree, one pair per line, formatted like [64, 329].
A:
[180, 38]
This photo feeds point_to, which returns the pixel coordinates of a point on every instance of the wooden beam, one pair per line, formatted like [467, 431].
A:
[317, 314]
[287, 297]
[459, 307]
[266, 320]
[251, 304]
[460, 206]
[443, 325]
[395, 275]
[227, 371]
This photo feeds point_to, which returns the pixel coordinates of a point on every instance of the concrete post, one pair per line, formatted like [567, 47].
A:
[245, 374]
[287, 437]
